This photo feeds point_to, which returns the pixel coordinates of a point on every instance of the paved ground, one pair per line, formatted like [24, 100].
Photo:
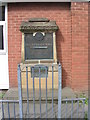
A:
[65, 111]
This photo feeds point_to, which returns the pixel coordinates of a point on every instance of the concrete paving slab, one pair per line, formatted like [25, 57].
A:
[0, 112]
[64, 113]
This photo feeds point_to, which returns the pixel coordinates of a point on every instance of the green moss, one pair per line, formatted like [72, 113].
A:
[1, 95]
[86, 117]
[86, 100]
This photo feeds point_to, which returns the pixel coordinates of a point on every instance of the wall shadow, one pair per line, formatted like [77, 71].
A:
[59, 40]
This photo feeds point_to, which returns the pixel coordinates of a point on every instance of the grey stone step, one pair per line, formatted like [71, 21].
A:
[13, 94]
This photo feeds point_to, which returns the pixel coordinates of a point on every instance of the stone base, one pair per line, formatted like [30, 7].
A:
[43, 80]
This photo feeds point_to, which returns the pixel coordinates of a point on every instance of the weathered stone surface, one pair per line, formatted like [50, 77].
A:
[39, 24]
[39, 20]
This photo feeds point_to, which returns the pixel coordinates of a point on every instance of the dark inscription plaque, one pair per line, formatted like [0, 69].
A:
[39, 71]
[38, 46]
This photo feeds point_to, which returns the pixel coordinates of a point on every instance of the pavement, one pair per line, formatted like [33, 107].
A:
[66, 110]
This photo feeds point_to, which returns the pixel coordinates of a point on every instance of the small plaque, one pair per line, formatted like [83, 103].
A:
[39, 70]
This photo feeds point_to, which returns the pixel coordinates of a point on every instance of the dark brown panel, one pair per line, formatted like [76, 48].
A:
[38, 46]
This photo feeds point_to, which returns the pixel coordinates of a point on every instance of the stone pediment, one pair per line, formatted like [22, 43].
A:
[38, 24]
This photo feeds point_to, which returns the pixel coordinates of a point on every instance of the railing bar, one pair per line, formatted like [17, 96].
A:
[2, 110]
[72, 110]
[52, 89]
[40, 90]
[14, 110]
[27, 91]
[83, 108]
[59, 89]
[33, 93]
[88, 115]
[20, 93]
[74, 99]
[77, 108]
[9, 101]
[66, 111]
[8, 110]
[46, 92]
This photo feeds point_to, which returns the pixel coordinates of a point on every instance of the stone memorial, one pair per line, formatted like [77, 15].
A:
[39, 50]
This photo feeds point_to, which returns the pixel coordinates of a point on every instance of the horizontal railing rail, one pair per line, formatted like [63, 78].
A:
[73, 99]
[9, 101]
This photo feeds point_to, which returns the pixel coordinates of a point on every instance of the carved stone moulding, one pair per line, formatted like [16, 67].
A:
[38, 24]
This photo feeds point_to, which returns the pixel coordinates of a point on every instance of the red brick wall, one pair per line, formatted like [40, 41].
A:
[89, 49]
[79, 46]
[72, 39]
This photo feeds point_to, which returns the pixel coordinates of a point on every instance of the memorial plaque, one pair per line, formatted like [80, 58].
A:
[39, 70]
[39, 40]
[38, 46]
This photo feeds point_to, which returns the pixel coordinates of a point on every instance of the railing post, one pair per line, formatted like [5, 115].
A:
[0, 3]
[89, 108]
[59, 89]
[20, 93]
